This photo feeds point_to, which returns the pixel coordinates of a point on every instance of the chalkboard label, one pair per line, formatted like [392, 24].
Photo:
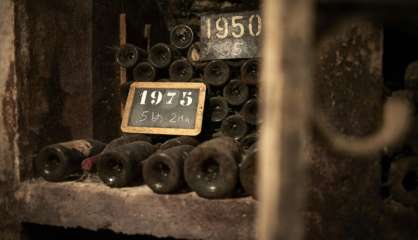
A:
[164, 108]
[230, 35]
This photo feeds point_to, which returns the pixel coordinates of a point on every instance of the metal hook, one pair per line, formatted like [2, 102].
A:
[397, 117]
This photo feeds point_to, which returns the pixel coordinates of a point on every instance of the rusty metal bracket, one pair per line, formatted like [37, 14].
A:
[396, 121]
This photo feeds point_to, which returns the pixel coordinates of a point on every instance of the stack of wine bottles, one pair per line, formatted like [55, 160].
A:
[231, 108]
[217, 168]
[218, 163]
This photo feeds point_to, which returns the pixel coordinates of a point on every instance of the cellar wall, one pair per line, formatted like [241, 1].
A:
[54, 70]
[106, 78]
[348, 87]
[9, 227]
[64, 85]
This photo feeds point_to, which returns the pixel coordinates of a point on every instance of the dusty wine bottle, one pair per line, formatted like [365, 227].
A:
[219, 109]
[211, 170]
[122, 166]
[236, 92]
[163, 170]
[234, 126]
[125, 139]
[249, 111]
[194, 56]
[177, 141]
[89, 163]
[403, 181]
[248, 141]
[61, 161]
[160, 55]
[181, 36]
[235, 63]
[411, 76]
[180, 71]
[210, 90]
[249, 72]
[144, 72]
[128, 55]
[216, 73]
[248, 170]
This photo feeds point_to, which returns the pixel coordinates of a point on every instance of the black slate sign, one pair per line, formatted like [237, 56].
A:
[164, 108]
[230, 35]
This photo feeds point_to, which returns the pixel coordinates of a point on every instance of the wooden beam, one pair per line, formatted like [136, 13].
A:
[285, 91]
[122, 41]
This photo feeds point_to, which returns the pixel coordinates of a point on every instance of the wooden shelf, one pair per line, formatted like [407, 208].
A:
[135, 210]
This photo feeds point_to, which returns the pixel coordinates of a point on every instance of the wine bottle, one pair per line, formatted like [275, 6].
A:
[163, 170]
[234, 126]
[211, 170]
[88, 164]
[181, 36]
[216, 73]
[248, 141]
[249, 111]
[144, 72]
[59, 162]
[160, 55]
[249, 72]
[210, 90]
[125, 139]
[218, 107]
[411, 76]
[194, 56]
[180, 71]
[403, 181]
[128, 55]
[122, 166]
[177, 141]
[248, 170]
[235, 63]
[236, 92]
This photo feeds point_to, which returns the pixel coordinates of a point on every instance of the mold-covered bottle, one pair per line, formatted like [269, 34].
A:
[218, 108]
[234, 126]
[249, 72]
[89, 163]
[128, 55]
[61, 161]
[180, 71]
[211, 170]
[249, 111]
[182, 36]
[236, 92]
[161, 55]
[177, 141]
[122, 166]
[247, 171]
[144, 72]
[163, 170]
[216, 73]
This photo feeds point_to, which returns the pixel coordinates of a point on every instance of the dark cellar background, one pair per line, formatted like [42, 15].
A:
[67, 89]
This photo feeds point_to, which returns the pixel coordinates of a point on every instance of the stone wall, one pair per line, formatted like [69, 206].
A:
[54, 70]
[9, 176]
[57, 82]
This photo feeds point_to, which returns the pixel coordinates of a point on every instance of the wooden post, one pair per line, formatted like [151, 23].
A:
[286, 99]
[122, 41]
[9, 141]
